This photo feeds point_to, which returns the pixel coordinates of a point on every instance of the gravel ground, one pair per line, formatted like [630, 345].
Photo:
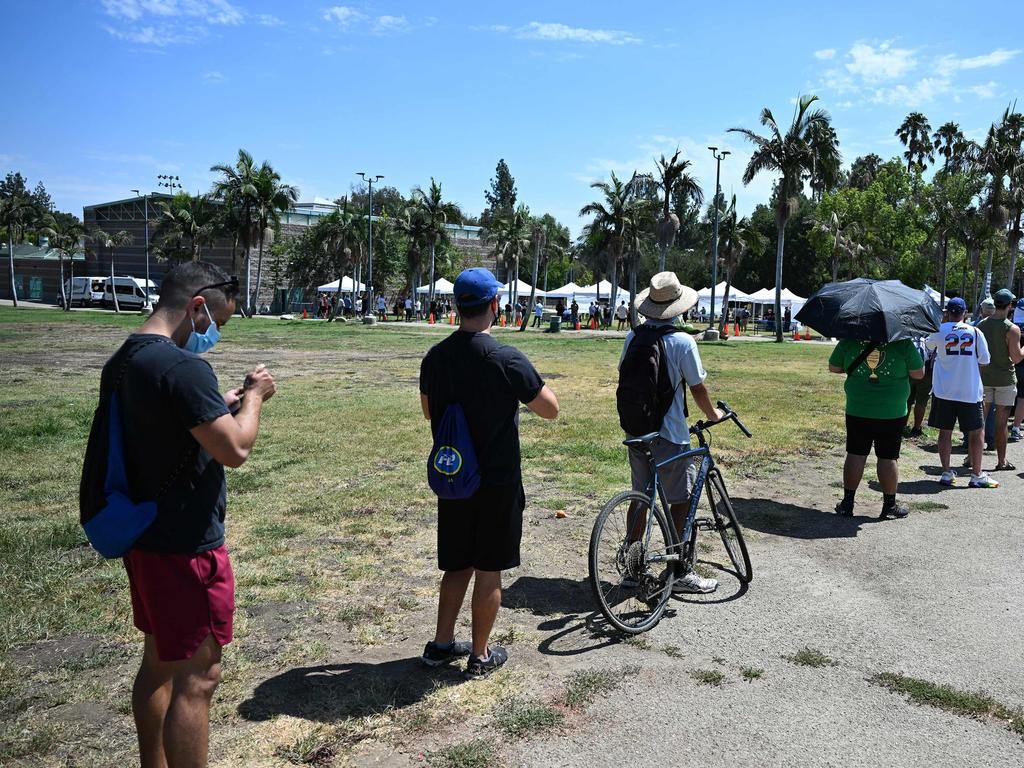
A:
[934, 596]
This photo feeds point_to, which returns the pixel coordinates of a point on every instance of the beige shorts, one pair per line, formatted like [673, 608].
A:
[1005, 396]
[677, 478]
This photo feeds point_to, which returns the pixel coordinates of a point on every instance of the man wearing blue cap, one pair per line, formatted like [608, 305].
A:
[957, 391]
[479, 535]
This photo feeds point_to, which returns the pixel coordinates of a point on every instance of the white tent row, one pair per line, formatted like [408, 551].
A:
[522, 290]
[441, 288]
[585, 293]
[346, 286]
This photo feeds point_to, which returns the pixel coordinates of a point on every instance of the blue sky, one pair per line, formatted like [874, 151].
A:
[106, 94]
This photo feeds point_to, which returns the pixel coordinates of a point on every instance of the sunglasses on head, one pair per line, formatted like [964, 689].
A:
[228, 287]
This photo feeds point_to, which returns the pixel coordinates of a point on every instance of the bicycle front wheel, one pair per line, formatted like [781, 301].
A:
[728, 526]
[630, 570]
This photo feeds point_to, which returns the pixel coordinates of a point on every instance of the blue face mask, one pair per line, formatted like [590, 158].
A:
[203, 342]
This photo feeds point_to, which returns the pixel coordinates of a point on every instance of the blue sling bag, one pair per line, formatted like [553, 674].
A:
[452, 468]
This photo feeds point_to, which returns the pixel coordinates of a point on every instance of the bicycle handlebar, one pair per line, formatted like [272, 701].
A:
[730, 415]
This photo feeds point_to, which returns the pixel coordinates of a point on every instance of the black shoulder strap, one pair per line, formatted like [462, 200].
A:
[862, 357]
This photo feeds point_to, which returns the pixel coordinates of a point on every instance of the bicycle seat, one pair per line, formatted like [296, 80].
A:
[642, 441]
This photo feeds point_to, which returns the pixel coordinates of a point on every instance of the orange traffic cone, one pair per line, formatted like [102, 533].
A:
[502, 321]
[735, 329]
[430, 321]
[807, 333]
[593, 324]
[451, 318]
[796, 335]
[305, 314]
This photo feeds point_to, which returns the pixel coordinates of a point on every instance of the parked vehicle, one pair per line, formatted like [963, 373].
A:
[83, 291]
[131, 293]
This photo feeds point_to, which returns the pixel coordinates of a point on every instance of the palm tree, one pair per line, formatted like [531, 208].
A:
[949, 142]
[65, 234]
[622, 215]
[736, 237]
[510, 234]
[864, 170]
[412, 224]
[435, 214]
[270, 200]
[334, 235]
[673, 179]
[188, 217]
[914, 133]
[16, 212]
[825, 161]
[1011, 142]
[538, 237]
[238, 191]
[791, 154]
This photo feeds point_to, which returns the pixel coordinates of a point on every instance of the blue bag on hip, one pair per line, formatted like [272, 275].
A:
[452, 469]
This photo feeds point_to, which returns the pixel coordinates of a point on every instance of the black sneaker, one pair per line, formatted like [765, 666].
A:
[916, 432]
[845, 511]
[435, 655]
[896, 510]
[478, 669]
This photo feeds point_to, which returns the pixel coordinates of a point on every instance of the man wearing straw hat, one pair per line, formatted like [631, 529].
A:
[660, 304]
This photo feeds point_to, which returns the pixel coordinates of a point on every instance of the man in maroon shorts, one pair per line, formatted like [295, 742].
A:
[179, 432]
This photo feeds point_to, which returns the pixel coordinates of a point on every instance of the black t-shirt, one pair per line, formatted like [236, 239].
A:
[489, 380]
[165, 392]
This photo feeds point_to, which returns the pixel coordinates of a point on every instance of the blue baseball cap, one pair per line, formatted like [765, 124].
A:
[475, 286]
[957, 305]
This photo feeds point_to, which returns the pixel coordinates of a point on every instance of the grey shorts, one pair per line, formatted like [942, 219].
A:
[677, 479]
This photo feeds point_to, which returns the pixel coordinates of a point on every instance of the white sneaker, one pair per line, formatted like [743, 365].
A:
[692, 583]
[948, 478]
[982, 481]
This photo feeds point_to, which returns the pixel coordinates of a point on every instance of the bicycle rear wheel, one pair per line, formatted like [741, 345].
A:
[629, 571]
[728, 527]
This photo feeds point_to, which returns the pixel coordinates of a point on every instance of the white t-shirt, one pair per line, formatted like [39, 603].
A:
[538, 309]
[960, 349]
[683, 361]
[621, 312]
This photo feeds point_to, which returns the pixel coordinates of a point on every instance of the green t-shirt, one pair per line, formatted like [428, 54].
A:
[887, 397]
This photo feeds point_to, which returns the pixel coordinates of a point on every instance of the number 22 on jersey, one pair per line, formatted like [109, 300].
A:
[960, 344]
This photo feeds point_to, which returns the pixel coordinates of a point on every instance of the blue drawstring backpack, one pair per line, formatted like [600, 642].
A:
[452, 469]
[120, 522]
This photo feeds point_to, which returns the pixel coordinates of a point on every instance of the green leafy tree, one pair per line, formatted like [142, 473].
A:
[17, 212]
[185, 217]
[435, 213]
[674, 181]
[65, 232]
[510, 235]
[915, 134]
[737, 237]
[501, 197]
[949, 142]
[790, 154]
[864, 170]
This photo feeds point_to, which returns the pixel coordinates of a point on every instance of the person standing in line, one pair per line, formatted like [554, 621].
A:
[538, 313]
[408, 309]
[178, 433]
[622, 314]
[479, 537]
[382, 309]
[877, 391]
[920, 390]
[957, 391]
[999, 377]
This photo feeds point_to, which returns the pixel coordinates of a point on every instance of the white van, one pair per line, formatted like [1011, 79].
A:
[131, 293]
[83, 291]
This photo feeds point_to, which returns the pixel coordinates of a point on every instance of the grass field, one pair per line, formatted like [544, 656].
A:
[329, 522]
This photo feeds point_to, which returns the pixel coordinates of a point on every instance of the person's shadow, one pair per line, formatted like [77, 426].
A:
[331, 692]
[549, 596]
[780, 519]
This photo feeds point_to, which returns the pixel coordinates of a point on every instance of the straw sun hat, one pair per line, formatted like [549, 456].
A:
[666, 298]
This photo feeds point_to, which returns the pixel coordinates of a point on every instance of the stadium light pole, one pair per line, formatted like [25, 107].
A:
[719, 156]
[369, 179]
[145, 204]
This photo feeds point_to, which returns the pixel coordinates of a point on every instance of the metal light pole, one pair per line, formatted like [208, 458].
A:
[369, 218]
[719, 156]
[145, 204]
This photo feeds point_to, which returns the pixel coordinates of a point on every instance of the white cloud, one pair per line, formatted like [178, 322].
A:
[159, 23]
[536, 30]
[918, 94]
[343, 15]
[825, 53]
[128, 158]
[881, 63]
[385, 25]
[213, 76]
[269, 20]
[947, 65]
[159, 37]
[985, 91]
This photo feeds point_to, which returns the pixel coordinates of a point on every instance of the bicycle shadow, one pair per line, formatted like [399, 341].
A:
[331, 692]
[720, 595]
[796, 522]
[926, 487]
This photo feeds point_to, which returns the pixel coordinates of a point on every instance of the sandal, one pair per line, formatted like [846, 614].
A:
[1006, 465]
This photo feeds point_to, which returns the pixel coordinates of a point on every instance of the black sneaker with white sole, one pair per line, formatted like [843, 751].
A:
[435, 655]
[478, 669]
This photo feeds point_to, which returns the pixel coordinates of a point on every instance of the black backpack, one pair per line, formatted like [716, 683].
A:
[645, 390]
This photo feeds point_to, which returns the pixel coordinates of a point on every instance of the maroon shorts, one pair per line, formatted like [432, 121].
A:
[180, 599]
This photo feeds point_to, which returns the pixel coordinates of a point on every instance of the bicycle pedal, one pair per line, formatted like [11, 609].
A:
[705, 524]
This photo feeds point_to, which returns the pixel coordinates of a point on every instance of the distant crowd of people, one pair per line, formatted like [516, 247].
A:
[404, 308]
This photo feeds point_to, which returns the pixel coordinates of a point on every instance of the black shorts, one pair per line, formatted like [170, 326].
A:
[885, 434]
[946, 413]
[481, 532]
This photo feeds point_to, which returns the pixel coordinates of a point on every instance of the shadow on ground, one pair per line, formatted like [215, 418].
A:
[336, 691]
[548, 596]
[796, 522]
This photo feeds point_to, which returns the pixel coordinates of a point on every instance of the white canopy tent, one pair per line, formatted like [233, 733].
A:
[441, 288]
[704, 297]
[567, 291]
[602, 289]
[346, 286]
[522, 291]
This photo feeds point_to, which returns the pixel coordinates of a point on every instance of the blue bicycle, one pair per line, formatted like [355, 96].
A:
[636, 552]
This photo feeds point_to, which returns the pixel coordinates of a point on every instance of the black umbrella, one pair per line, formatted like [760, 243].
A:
[871, 310]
